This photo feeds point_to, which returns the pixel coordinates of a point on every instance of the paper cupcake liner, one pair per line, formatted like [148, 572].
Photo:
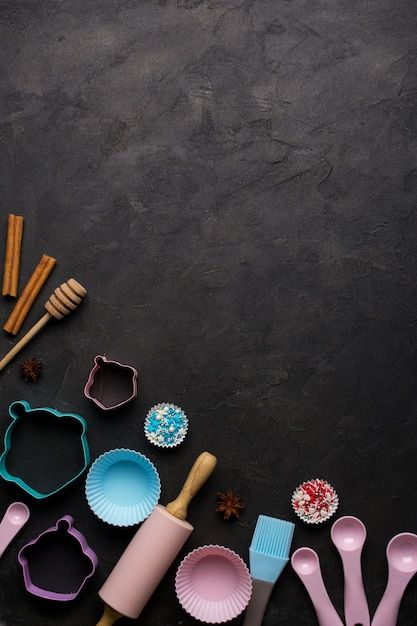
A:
[198, 603]
[115, 512]
[160, 435]
[315, 501]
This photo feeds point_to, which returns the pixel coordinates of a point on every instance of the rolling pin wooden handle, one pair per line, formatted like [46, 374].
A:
[203, 467]
[25, 340]
[109, 617]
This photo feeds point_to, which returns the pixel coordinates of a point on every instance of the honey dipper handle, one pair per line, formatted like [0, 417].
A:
[203, 467]
[25, 339]
[109, 617]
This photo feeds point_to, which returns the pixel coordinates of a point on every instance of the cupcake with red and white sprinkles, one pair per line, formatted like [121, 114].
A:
[315, 501]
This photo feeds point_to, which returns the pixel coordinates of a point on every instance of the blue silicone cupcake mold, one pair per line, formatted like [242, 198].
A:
[122, 487]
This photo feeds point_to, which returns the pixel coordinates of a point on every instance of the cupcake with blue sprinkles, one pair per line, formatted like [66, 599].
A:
[166, 425]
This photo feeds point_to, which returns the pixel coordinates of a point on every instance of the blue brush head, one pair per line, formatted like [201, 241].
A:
[270, 548]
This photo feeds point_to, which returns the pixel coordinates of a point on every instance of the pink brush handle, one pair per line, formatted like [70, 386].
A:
[387, 611]
[356, 604]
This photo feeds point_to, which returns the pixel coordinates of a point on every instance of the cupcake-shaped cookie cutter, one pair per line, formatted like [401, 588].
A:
[27, 557]
[111, 384]
[20, 410]
[166, 425]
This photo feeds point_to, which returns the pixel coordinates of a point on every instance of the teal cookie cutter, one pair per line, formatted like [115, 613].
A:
[15, 411]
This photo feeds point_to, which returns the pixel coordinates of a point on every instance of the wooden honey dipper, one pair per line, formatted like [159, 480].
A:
[65, 299]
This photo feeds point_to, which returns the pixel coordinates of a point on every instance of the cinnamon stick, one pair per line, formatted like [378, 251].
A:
[13, 252]
[29, 294]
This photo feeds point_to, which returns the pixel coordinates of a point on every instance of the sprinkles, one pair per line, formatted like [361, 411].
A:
[315, 501]
[166, 425]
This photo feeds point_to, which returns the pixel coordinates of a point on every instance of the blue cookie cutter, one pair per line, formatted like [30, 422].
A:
[15, 410]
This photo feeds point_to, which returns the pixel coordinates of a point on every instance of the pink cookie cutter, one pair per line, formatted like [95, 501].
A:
[111, 384]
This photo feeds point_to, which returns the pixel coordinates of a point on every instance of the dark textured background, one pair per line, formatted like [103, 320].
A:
[235, 183]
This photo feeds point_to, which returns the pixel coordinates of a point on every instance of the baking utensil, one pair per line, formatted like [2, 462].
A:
[349, 535]
[27, 556]
[402, 566]
[152, 550]
[21, 410]
[268, 555]
[111, 384]
[166, 425]
[122, 487]
[65, 299]
[306, 564]
[213, 584]
[13, 521]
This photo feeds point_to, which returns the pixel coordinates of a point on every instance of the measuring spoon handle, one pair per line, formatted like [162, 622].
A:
[325, 611]
[387, 611]
[356, 603]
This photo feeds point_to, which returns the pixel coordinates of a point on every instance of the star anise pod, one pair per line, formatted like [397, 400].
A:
[229, 504]
[31, 369]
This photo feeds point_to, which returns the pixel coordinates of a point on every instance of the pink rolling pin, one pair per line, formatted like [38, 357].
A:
[348, 535]
[152, 550]
[402, 566]
[306, 564]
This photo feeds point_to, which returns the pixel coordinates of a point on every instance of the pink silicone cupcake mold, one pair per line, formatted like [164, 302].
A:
[213, 584]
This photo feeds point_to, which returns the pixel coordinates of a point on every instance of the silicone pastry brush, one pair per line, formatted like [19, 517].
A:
[65, 299]
[152, 550]
[268, 555]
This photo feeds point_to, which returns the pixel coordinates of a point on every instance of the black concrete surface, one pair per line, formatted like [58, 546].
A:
[235, 183]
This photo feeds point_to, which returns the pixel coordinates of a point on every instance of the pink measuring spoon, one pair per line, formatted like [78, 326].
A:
[348, 535]
[14, 519]
[306, 564]
[402, 565]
